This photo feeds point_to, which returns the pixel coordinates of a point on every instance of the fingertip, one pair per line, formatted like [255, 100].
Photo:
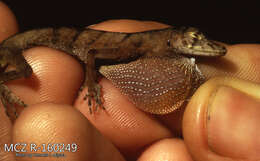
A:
[168, 149]
[8, 23]
[215, 116]
[49, 124]
[56, 77]
[241, 61]
[53, 127]
[128, 25]
[5, 135]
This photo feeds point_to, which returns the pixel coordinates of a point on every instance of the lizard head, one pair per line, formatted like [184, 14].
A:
[190, 41]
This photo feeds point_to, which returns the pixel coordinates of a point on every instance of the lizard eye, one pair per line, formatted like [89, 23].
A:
[195, 35]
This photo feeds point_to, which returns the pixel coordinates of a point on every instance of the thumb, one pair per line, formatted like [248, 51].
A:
[222, 120]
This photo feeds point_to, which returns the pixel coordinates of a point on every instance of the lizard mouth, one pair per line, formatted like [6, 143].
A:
[208, 53]
[209, 50]
[219, 51]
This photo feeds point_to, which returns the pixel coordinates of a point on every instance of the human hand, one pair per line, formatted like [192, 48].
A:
[128, 128]
[59, 121]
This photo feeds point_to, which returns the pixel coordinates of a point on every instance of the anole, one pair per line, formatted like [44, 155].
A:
[155, 69]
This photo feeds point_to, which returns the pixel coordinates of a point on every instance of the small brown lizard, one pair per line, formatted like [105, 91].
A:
[153, 68]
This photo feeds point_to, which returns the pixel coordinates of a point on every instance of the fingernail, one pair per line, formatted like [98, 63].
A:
[233, 120]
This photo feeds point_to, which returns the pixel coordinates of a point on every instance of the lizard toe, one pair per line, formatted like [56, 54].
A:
[9, 100]
[94, 98]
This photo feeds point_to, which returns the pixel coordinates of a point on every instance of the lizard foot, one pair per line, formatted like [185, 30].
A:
[94, 98]
[9, 99]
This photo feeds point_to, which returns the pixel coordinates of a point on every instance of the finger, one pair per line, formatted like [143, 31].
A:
[8, 23]
[241, 61]
[121, 122]
[126, 25]
[59, 130]
[8, 26]
[222, 121]
[168, 149]
[56, 77]
[5, 137]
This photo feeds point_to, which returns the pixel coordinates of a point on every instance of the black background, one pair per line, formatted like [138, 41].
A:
[230, 22]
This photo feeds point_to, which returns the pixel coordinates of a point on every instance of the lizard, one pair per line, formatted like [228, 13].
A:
[160, 55]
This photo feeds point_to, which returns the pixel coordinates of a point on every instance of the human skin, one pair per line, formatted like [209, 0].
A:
[123, 127]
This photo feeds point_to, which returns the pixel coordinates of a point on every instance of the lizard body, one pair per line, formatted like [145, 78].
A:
[167, 46]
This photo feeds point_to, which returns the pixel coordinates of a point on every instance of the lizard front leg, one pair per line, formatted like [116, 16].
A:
[22, 69]
[91, 76]
[94, 89]
[8, 98]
